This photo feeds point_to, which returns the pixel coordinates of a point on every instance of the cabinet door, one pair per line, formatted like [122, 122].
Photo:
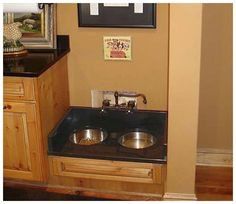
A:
[21, 151]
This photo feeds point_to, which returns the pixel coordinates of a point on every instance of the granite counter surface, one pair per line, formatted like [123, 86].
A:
[35, 62]
[116, 123]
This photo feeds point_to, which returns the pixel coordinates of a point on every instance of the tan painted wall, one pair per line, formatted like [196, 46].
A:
[215, 110]
[148, 70]
[184, 79]
[146, 73]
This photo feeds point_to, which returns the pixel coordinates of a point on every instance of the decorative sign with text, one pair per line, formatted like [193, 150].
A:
[117, 48]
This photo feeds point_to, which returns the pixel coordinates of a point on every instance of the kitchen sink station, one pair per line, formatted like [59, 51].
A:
[111, 133]
[108, 101]
[112, 143]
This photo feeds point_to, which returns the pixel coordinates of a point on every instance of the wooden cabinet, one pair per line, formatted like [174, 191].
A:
[21, 142]
[107, 170]
[107, 178]
[19, 88]
[32, 107]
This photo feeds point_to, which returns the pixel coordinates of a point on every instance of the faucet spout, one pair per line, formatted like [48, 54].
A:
[131, 95]
[143, 96]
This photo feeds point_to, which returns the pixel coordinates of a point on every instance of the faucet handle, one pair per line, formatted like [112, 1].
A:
[116, 95]
[131, 104]
[106, 102]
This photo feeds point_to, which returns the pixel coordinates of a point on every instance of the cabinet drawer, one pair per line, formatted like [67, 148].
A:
[18, 88]
[106, 170]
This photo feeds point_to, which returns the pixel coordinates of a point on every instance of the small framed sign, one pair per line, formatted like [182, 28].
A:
[117, 47]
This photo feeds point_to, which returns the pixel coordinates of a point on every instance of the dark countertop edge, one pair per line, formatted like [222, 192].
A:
[37, 74]
[65, 52]
[124, 159]
[95, 108]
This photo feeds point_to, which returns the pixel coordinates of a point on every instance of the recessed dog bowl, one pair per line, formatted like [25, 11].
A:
[88, 136]
[137, 140]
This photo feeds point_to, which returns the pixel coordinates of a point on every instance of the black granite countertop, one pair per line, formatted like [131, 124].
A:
[116, 123]
[36, 61]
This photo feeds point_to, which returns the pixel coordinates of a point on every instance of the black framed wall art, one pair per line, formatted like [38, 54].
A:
[123, 15]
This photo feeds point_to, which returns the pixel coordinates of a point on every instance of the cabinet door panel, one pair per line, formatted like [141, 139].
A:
[16, 144]
[20, 144]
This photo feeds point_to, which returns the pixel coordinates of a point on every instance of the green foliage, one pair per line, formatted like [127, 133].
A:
[7, 44]
[26, 28]
[34, 16]
[11, 43]
[18, 43]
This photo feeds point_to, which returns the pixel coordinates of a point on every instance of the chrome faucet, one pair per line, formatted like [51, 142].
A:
[105, 103]
[117, 94]
[129, 106]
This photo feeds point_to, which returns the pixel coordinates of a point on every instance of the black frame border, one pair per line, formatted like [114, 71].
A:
[151, 26]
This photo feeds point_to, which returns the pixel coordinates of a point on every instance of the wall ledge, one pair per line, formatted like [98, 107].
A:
[179, 196]
[214, 157]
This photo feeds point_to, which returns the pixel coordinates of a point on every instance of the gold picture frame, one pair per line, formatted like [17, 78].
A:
[38, 29]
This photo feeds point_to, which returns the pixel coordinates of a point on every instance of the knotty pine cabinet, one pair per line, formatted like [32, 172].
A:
[32, 107]
[94, 177]
[107, 170]
[21, 142]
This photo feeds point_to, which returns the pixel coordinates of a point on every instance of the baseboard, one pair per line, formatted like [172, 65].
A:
[214, 157]
[179, 196]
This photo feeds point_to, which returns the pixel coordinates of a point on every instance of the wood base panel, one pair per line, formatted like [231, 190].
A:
[212, 184]
[105, 194]
[87, 186]
[85, 192]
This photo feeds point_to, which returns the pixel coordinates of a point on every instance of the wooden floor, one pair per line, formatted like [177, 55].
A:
[19, 193]
[212, 183]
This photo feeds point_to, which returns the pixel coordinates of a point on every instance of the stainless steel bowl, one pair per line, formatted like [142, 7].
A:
[137, 140]
[88, 136]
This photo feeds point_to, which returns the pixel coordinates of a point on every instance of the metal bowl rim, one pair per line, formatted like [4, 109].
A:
[105, 134]
[130, 132]
[150, 134]
[144, 130]
[89, 128]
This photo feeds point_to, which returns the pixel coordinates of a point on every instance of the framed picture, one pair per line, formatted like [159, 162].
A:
[117, 47]
[38, 29]
[123, 15]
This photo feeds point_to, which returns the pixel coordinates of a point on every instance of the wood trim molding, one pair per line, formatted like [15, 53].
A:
[87, 192]
[90, 192]
[178, 196]
[214, 157]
